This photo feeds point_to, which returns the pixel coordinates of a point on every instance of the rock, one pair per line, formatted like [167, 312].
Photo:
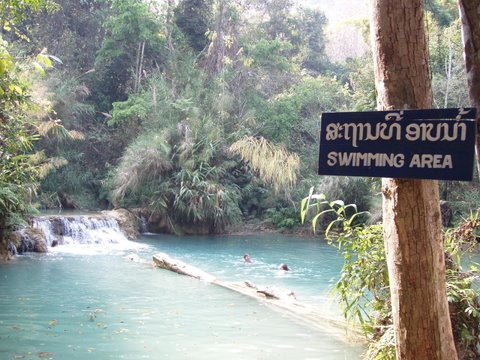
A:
[143, 219]
[5, 255]
[66, 201]
[157, 223]
[15, 238]
[127, 221]
[29, 240]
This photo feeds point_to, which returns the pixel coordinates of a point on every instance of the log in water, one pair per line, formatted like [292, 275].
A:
[282, 299]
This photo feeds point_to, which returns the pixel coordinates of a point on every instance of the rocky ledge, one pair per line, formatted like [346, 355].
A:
[49, 230]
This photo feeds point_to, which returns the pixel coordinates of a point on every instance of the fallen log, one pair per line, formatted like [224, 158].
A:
[277, 298]
[164, 261]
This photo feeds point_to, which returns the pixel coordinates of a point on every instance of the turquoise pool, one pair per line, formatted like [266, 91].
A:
[90, 302]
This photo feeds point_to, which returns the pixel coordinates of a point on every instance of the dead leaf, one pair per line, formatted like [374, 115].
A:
[52, 323]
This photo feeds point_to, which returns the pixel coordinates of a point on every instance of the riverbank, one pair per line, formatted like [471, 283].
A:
[255, 227]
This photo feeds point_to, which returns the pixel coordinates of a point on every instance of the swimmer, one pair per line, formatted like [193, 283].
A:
[247, 258]
[282, 269]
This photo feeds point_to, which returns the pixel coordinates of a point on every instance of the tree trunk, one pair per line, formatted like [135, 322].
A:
[411, 208]
[172, 57]
[470, 16]
[216, 50]
[139, 65]
[448, 72]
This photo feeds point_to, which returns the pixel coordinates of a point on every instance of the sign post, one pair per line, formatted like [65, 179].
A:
[422, 144]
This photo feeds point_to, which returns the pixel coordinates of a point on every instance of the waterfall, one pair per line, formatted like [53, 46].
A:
[80, 230]
[12, 249]
[143, 225]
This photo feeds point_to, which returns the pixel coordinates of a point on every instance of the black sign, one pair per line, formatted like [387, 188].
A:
[422, 144]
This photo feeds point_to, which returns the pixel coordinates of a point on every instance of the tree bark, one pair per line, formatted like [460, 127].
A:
[216, 49]
[172, 56]
[470, 16]
[411, 208]
[138, 67]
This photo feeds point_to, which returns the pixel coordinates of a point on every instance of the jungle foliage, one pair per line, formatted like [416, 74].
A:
[199, 112]
[363, 288]
[204, 113]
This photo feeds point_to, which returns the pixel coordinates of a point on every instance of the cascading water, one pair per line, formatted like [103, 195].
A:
[12, 248]
[82, 231]
[143, 225]
[68, 304]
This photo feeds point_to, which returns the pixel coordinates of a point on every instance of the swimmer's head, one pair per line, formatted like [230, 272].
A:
[247, 258]
[283, 267]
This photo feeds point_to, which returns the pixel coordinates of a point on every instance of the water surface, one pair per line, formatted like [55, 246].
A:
[89, 302]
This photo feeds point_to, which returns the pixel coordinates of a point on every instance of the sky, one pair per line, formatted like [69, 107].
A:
[339, 10]
[344, 39]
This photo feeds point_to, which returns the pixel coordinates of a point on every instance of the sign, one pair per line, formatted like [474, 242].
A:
[421, 144]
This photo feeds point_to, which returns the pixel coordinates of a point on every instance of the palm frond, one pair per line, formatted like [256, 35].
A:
[52, 128]
[273, 163]
[50, 164]
[82, 91]
[76, 135]
[144, 161]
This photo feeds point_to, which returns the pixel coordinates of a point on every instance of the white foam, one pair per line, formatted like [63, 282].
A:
[85, 235]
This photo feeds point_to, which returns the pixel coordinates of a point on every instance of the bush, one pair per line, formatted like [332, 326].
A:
[363, 287]
[283, 218]
[353, 190]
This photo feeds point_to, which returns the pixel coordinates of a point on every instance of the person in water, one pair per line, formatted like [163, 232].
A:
[247, 258]
[283, 267]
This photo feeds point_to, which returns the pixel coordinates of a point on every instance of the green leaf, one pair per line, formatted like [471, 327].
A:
[44, 59]
[315, 219]
[337, 203]
[329, 227]
[350, 221]
[39, 68]
[305, 204]
[55, 59]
